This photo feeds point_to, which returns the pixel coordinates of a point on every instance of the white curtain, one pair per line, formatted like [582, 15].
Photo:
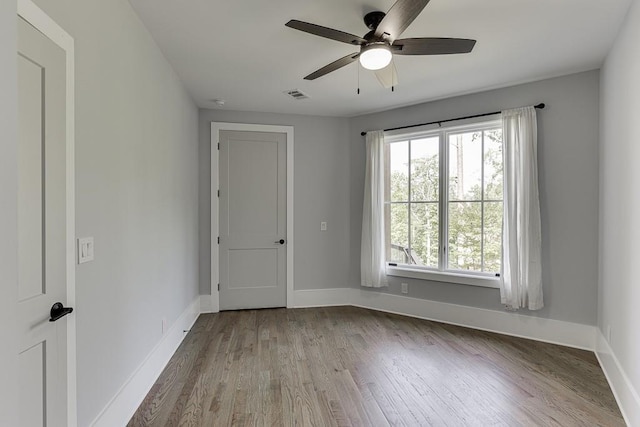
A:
[372, 262]
[521, 284]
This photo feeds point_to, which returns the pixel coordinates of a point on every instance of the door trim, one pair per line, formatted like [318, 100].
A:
[35, 16]
[216, 127]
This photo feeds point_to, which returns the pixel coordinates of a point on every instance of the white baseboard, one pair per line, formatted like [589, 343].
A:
[626, 395]
[322, 297]
[123, 405]
[208, 304]
[507, 323]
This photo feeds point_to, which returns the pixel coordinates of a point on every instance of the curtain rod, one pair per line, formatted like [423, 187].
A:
[539, 106]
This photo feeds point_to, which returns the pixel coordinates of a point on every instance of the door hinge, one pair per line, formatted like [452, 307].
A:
[218, 193]
[218, 287]
[218, 239]
[218, 145]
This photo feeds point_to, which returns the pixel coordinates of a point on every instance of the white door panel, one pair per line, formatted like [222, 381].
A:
[42, 273]
[253, 187]
[32, 385]
[30, 203]
[252, 219]
[253, 268]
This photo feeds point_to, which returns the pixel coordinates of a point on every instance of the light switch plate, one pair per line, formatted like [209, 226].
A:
[85, 249]
[323, 226]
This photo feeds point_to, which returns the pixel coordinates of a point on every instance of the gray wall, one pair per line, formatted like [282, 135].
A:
[329, 172]
[136, 190]
[619, 291]
[8, 215]
[321, 193]
[568, 177]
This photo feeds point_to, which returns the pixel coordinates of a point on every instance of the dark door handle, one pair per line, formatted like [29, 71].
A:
[281, 241]
[58, 311]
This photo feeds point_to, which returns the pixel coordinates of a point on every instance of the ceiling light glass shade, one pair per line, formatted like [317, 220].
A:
[375, 57]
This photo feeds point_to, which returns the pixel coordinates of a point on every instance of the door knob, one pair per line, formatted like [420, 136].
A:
[281, 241]
[58, 311]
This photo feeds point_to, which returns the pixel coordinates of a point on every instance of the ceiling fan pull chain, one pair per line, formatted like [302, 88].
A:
[393, 88]
[358, 78]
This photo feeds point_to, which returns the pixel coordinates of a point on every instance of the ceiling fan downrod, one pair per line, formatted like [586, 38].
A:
[372, 19]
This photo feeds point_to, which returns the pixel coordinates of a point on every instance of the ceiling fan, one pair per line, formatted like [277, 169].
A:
[378, 46]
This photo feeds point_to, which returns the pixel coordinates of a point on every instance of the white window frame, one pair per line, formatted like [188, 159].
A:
[463, 277]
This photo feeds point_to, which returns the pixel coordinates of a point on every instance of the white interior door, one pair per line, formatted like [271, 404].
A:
[42, 233]
[252, 221]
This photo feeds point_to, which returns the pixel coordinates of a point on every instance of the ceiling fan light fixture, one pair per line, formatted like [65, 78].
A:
[375, 56]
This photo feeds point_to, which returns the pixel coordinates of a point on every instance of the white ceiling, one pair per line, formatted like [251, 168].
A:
[241, 51]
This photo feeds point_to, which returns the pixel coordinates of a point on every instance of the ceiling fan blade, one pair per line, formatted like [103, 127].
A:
[432, 46]
[325, 32]
[388, 76]
[346, 60]
[399, 17]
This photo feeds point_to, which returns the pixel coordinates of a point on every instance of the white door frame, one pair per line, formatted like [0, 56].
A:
[216, 127]
[31, 13]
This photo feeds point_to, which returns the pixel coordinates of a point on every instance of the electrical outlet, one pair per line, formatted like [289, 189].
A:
[404, 288]
[164, 325]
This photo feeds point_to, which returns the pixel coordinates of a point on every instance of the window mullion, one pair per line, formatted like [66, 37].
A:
[482, 202]
[444, 196]
[409, 231]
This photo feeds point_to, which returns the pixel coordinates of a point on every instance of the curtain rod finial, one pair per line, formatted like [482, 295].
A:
[540, 106]
[363, 133]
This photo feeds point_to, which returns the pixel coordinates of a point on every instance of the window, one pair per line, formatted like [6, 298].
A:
[443, 203]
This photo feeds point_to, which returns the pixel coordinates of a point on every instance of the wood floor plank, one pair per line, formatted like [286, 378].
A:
[347, 366]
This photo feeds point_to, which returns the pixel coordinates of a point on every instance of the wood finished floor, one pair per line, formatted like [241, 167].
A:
[346, 366]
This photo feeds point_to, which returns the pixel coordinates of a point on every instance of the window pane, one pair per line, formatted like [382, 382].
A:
[492, 236]
[424, 234]
[398, 172]
[398, 233]
[465, 236]
[425, 169]
[493, 164]
[465, 166]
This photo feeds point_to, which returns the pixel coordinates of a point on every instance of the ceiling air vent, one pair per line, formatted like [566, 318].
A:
[296, 94]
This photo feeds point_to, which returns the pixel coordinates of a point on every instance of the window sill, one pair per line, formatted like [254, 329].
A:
[437, 276]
